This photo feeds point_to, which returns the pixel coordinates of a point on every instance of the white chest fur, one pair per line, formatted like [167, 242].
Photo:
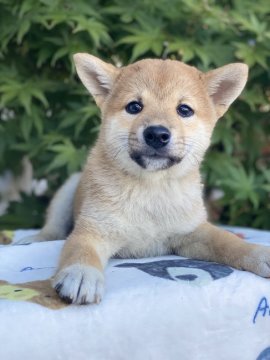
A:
[144, 216]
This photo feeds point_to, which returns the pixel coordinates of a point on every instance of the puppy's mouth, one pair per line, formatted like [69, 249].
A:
[155, 160]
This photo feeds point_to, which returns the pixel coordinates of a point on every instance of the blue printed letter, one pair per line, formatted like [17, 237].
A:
[262, 308]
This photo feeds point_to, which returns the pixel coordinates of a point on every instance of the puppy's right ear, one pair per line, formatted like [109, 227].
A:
[96, 75]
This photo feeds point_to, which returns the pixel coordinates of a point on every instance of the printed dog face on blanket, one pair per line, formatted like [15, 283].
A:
[140, 193]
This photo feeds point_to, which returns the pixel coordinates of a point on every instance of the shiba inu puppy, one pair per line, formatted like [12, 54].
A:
[140, 193]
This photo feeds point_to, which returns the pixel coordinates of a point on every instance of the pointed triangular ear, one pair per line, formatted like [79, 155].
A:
[225, 84]
[96, 75]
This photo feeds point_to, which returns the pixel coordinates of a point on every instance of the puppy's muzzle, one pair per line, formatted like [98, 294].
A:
[157, 136]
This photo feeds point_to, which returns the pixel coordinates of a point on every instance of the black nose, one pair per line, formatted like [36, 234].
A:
[157, 136]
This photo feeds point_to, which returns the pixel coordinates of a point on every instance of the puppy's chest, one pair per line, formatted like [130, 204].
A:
[158, 209]
[142, 220]
[152, 217]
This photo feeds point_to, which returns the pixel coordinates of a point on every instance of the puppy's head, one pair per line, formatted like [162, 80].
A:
[158, 114]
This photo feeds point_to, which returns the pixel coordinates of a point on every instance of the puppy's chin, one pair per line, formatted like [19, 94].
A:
[154, 162]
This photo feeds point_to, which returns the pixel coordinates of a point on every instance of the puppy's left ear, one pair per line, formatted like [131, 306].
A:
[225, 84]
[96, 75]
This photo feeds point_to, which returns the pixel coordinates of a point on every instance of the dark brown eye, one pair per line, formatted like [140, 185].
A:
[134, 107]
[184, 110]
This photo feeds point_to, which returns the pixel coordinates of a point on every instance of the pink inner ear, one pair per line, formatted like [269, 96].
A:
[223, 91]
[225, 84]
[96, 75]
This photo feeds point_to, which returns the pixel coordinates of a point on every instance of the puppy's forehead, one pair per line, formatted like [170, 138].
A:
[162, 78]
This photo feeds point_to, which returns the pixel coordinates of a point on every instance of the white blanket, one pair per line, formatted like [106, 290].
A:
[166, 308]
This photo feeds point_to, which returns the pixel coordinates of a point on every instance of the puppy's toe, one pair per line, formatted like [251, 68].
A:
[264, 268]
[28, 240]
[39, 237]
[79, 284]
[259, 261]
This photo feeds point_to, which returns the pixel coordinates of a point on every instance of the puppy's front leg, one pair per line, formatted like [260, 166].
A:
[211, 243]
[80, 279]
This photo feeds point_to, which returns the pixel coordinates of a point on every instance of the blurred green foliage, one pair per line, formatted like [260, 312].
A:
[49, 116]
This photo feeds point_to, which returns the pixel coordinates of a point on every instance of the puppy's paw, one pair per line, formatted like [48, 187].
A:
[79, 284]
[259, 261]
[30, 239]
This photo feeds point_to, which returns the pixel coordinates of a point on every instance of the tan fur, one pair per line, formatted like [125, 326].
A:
[123, 209]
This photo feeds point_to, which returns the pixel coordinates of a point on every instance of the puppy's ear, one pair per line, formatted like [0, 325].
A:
[96, 75]
[225, 84]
